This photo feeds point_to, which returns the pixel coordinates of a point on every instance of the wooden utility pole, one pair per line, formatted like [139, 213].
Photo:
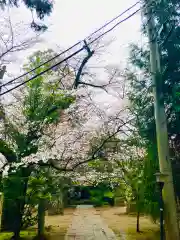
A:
[171, 221]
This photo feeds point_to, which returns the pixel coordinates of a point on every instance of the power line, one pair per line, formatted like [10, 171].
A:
[125, 19]
[32, 70]
[76, 44]
[43, 72]
[70, 56]
[73, 54]
[114, 19]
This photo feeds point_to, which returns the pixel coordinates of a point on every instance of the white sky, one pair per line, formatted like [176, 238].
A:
[72, 21]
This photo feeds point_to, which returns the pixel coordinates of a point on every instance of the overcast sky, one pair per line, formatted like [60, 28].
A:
[72, 21]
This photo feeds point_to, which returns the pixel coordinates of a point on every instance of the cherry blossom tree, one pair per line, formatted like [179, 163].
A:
[15, 37]
[54, 125]
[23, 136]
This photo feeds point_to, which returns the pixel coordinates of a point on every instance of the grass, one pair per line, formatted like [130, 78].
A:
[146, 234]
[115, 218]
[24, 235]
[121, 223]
[56, 227]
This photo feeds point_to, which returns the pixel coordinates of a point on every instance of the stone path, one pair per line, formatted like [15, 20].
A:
[88, 225]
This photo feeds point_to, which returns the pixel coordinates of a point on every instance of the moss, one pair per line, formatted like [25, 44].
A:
[5, 236]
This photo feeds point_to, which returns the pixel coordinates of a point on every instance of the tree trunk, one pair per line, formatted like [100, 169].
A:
[21, 203]
[8, 211]
[137, 223]
[61, 203]
[41, 217]
[15, 188]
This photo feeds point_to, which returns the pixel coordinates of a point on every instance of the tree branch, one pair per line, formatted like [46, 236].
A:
[84, 62]
[92, 85]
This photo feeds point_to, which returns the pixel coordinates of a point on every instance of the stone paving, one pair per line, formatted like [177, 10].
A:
[88, 225]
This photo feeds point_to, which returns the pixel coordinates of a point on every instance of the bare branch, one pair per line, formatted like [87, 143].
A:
[92, 85]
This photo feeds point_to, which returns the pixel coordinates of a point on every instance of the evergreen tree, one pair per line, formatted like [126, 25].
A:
[167, 18]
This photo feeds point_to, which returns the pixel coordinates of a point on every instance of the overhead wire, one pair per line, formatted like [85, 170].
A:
[114, 19]
[73, 54]
[32, 70]
[42, 64]
[125, 19]
[67, 58]
[43, 72]
[73, 46]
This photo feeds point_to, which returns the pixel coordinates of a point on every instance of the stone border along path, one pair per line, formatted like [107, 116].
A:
[87, 224]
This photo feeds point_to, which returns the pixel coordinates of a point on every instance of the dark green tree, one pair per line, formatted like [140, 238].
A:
[167, 18]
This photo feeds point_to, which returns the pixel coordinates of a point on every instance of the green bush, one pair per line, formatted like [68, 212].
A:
[100, 197]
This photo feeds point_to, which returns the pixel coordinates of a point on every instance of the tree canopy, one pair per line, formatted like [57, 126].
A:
[140, 88]
[57, 127]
